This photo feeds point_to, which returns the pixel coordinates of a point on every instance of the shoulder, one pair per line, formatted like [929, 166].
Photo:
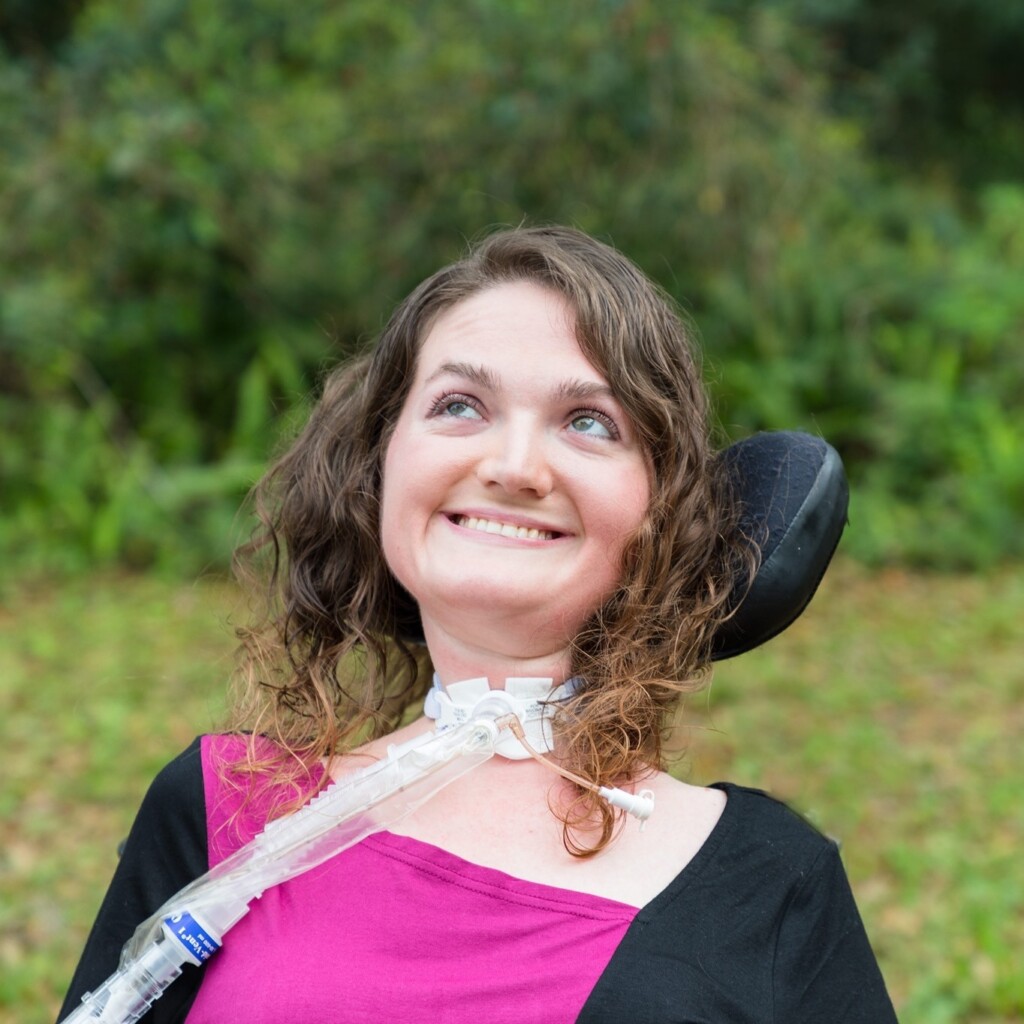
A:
[773, 859]
[755, 819]
[182, 784]
[726, 827]
[758, 854]
[765, 852]
[195, 796]
[179, 791]
[173, 808]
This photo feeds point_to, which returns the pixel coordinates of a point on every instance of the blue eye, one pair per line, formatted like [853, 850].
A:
[460, 407]
[593, 425]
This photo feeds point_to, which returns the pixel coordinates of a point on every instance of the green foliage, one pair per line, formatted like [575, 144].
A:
[204, 202]
[36, 30]
[936, 82]
[902, 340]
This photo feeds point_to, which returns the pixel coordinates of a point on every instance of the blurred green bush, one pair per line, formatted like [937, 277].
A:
[204, 202]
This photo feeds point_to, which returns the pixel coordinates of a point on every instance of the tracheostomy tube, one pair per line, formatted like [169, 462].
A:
[189, 927]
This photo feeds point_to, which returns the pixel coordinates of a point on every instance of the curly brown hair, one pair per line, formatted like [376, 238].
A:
[330, 663]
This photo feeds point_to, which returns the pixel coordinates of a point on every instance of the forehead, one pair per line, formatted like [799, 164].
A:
[521, 325]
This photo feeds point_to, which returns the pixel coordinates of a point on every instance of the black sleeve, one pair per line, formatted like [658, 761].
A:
[165, 850]
[825, 971]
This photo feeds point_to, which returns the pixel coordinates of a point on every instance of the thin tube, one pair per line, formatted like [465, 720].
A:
[640, 805]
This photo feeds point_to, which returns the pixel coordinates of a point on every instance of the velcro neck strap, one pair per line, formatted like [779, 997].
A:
[530, 698]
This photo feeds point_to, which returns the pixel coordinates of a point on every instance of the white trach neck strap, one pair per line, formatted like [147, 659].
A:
[453, 704]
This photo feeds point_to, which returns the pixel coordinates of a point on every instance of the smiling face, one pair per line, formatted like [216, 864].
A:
[512, 479]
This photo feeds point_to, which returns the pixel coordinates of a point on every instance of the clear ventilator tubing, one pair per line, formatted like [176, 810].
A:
[189, 927]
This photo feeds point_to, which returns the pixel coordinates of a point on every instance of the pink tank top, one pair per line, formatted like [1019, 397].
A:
[395, 929]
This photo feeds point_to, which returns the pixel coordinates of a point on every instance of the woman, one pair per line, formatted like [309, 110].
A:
[520, 474]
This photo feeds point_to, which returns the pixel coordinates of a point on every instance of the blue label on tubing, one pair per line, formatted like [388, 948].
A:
[198, 942]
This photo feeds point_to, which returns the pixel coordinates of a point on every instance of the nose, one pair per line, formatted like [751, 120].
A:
[517, 461]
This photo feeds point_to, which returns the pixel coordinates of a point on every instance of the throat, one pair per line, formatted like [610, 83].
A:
[534, 699]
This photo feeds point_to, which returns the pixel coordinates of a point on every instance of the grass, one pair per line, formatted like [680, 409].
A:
[890, 714]
[103, 682]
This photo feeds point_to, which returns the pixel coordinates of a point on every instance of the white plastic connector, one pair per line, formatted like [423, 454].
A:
[640, 805]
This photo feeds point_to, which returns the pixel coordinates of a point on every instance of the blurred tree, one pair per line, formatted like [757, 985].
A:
[32, 29]
[206, 200]
[937, 83]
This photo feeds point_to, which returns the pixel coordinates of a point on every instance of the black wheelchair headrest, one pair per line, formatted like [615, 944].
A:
[794, 497]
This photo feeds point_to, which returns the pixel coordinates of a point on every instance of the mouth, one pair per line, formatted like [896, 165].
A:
[503, 529]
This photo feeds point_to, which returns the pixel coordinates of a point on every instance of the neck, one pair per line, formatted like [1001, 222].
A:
[456, 658]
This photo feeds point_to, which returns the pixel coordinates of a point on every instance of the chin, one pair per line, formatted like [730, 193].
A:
[488, 612]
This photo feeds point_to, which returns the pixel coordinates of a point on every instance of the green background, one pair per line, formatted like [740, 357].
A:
[204, 202]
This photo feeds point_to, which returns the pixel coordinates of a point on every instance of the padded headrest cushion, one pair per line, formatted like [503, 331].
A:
[794, 498]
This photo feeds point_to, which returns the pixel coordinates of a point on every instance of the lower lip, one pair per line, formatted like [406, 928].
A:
[500, 538]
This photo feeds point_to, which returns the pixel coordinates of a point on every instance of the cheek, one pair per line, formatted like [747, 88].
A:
[618, 511]
[620, 507]
[410, 491]
[392, 500]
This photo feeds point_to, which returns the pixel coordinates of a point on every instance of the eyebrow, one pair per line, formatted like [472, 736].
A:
[580, 390]
[478, 375]
[567, 390]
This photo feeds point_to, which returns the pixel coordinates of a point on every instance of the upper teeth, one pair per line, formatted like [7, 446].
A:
[505, 529]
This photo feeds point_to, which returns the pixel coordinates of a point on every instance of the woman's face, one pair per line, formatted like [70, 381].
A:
[513, 477]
